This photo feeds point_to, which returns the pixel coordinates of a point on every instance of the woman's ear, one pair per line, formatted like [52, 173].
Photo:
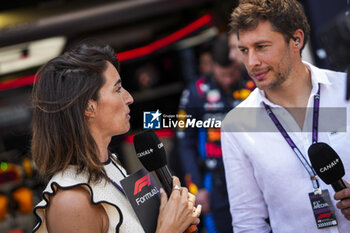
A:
[90, 109]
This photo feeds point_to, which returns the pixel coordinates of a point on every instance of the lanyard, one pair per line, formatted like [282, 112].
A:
[117, 186]
[290, 142]
[115, 183]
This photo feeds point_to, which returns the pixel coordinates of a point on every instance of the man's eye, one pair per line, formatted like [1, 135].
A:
[262, 46]
[244, 51]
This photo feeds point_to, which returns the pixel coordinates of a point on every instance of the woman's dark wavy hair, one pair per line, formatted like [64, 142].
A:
[60, 131]
[286, 16]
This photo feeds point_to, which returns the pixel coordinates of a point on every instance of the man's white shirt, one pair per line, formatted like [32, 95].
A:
[264, 176]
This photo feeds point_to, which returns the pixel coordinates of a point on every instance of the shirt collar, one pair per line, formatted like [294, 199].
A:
[318, 76]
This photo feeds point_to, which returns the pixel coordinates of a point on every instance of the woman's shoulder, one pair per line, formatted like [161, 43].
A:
[72, 207]
[70, 178]
[75, 197]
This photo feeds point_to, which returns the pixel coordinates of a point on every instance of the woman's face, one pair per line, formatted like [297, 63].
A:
[111, 110]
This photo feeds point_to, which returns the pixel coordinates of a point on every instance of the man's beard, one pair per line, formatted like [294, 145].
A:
[280, 77]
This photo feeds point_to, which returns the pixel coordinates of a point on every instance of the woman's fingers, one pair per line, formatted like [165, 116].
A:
[187, 199]
[176, 181]
[197, 212]
[163, 199]
[191, 198]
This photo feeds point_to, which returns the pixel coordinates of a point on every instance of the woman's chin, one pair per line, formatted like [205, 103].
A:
[123, 131]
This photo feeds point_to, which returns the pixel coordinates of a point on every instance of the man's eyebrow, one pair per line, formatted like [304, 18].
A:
[119, 81]
[262, 42]
[255, 44]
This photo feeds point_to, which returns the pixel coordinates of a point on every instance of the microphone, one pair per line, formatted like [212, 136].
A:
[150, 151]
[327, 165]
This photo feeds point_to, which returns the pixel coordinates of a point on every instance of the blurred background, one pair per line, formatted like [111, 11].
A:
[158, 43]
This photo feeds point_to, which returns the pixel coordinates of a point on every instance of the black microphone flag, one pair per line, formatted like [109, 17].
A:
[143, 194]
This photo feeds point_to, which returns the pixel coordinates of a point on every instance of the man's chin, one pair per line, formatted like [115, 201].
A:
[261, 86]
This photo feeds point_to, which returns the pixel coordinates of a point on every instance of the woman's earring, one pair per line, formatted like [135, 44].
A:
[89, 108]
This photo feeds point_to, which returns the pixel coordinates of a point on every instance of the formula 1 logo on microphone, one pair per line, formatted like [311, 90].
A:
[140, 183]
[151, 120]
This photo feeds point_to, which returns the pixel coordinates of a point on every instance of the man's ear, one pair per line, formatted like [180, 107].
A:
[298, 39]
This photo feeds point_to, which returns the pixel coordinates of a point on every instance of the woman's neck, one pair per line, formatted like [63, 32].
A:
[102, 145]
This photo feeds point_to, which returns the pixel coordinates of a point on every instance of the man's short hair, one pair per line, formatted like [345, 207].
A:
[286, 16]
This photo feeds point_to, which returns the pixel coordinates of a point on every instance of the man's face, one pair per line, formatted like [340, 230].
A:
[227, 77]
[266, 55]
[205, 63]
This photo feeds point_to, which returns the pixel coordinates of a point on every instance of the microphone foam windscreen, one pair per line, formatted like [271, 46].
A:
[326, 162]
[150, 150]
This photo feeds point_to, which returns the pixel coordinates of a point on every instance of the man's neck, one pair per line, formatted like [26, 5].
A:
[295, 91]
